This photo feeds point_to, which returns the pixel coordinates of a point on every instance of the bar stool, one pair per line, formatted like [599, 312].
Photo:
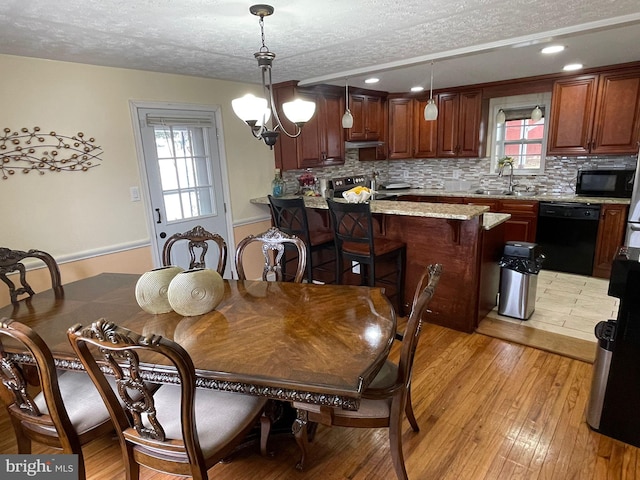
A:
[290, 216]
[355, 241]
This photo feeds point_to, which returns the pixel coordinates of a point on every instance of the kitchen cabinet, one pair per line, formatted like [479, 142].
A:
[401, 113]
[459, 124]
[523, 222]
[611, 230]
[321, 142]
[492, 203]
[368, 117]
[595, 114]
[410, 135]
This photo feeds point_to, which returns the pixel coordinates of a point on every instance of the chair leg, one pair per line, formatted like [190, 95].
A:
[400, 281]
[24, 443]
[300, 433]
[395, 442]
[408, 410]
[266, 421]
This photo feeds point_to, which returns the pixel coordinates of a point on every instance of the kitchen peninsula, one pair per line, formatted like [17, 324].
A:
[466, 239]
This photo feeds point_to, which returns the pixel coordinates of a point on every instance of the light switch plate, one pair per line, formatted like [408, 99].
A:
[134, 192]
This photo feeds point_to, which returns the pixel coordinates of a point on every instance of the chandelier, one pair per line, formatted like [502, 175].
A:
[256, 111]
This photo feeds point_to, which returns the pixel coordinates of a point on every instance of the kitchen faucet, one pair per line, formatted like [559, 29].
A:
[501, 171]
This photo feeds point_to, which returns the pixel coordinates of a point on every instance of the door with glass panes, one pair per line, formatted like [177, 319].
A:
[184, 175]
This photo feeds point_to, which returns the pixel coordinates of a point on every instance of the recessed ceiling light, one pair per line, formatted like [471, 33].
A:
[572, 66]
[553, 49]
[372, 80]
[417, 89]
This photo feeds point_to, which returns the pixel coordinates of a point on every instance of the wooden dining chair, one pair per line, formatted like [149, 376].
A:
[11, 261]
[174, 429]
[290, 216]
[356, 241]
[66, 414]
[384, 401]
[197, 238]
[273, 243]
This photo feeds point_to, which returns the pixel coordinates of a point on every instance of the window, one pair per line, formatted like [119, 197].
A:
[519, 138]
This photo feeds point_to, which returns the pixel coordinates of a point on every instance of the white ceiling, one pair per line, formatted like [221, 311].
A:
[470, 41]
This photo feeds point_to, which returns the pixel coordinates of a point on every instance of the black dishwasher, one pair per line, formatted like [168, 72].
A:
[567, 235]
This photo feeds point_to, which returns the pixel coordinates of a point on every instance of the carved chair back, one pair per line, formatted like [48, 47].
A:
[120, 350]
[273, 243]
[52, 427]
[11, 262]
[197, 238]
[353, 228]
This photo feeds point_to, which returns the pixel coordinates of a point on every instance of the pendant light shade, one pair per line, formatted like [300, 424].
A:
[536, 114]
[347, 118]
[431, 110]
[501, 117]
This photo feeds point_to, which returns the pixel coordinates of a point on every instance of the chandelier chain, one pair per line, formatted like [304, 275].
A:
[263, 48]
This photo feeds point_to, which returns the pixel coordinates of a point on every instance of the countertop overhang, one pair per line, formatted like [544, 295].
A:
[450, 211]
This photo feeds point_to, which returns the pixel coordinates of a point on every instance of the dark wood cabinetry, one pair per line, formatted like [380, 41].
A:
[367, 111]
[401, 113]
[321, 142]
[425, 132]
[595, 114]
[613, 219]
[459, 121]
[523, 222]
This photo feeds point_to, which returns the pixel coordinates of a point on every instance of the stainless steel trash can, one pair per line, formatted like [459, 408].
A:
[605, 333]
[517, 294]
[520, 264]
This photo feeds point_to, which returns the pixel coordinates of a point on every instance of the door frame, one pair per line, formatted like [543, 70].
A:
[216, 110]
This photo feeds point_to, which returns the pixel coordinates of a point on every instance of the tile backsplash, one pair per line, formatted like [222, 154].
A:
[464, 173]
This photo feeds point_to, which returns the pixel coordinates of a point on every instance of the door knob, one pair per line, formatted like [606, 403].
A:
[163, 235]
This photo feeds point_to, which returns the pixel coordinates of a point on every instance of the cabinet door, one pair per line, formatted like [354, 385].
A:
[613, 219]
[447, 124]
[469, 115]
[523, 222]
[492, 203]
[617, 116]
[357, 107]
[572, 107]
[373, 118]
[425, 133]
[400, 128]
[310, 143]
[332, 145]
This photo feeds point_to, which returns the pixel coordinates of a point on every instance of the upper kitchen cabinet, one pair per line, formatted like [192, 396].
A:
[595, 114]
[459, 124]
[368, 116]
[410, 135]
[321, 142]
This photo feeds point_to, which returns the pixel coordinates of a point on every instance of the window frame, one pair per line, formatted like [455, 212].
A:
[517, 102]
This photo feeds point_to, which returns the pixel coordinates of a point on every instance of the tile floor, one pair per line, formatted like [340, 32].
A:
[569, 305]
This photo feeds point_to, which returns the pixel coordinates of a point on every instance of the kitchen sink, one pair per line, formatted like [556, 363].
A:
[525, 193]
[493, 192]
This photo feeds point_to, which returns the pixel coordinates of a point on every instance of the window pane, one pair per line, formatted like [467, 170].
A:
[172, 206]
[168, 176]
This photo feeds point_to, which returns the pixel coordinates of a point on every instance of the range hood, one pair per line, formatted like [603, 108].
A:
[363, 144]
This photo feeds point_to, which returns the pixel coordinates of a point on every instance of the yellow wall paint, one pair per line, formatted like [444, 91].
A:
[69, 213]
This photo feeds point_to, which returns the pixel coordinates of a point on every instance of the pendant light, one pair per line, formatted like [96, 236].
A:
[501, 118]
[431, 110]
[536, 114]
[347, 118]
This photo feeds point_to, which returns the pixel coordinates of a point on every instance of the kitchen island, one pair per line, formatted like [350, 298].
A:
[466, 239]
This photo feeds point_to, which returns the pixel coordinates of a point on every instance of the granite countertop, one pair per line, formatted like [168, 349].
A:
[427, 192]
[412, 209]
[491, 220]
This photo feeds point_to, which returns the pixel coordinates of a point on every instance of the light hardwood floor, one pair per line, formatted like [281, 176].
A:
[488, 409]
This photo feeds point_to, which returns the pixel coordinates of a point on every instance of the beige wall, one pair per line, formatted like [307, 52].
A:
[84, 214]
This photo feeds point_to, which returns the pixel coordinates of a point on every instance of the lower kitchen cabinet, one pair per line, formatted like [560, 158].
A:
[613, 218]
[523, 222]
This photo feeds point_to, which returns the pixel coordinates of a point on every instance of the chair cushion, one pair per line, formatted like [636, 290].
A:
[220, 416]
[81, 398]
[382, 246]
[320, 237]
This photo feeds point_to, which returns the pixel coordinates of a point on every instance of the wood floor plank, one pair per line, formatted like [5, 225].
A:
[488, 409]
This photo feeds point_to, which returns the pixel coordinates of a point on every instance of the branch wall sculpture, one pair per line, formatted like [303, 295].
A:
[28, 151]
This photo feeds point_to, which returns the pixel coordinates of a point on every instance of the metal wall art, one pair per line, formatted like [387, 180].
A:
[31, 150]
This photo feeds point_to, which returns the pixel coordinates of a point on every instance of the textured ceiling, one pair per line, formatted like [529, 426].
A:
[470, 41]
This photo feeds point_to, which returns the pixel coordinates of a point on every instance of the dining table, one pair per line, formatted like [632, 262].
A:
[305, 342]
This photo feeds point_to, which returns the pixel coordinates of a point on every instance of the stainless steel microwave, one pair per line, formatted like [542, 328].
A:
[605, 183]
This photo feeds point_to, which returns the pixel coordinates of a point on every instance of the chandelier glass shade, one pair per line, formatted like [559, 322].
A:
[257, 111]
[347, 118]
[536, 113]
